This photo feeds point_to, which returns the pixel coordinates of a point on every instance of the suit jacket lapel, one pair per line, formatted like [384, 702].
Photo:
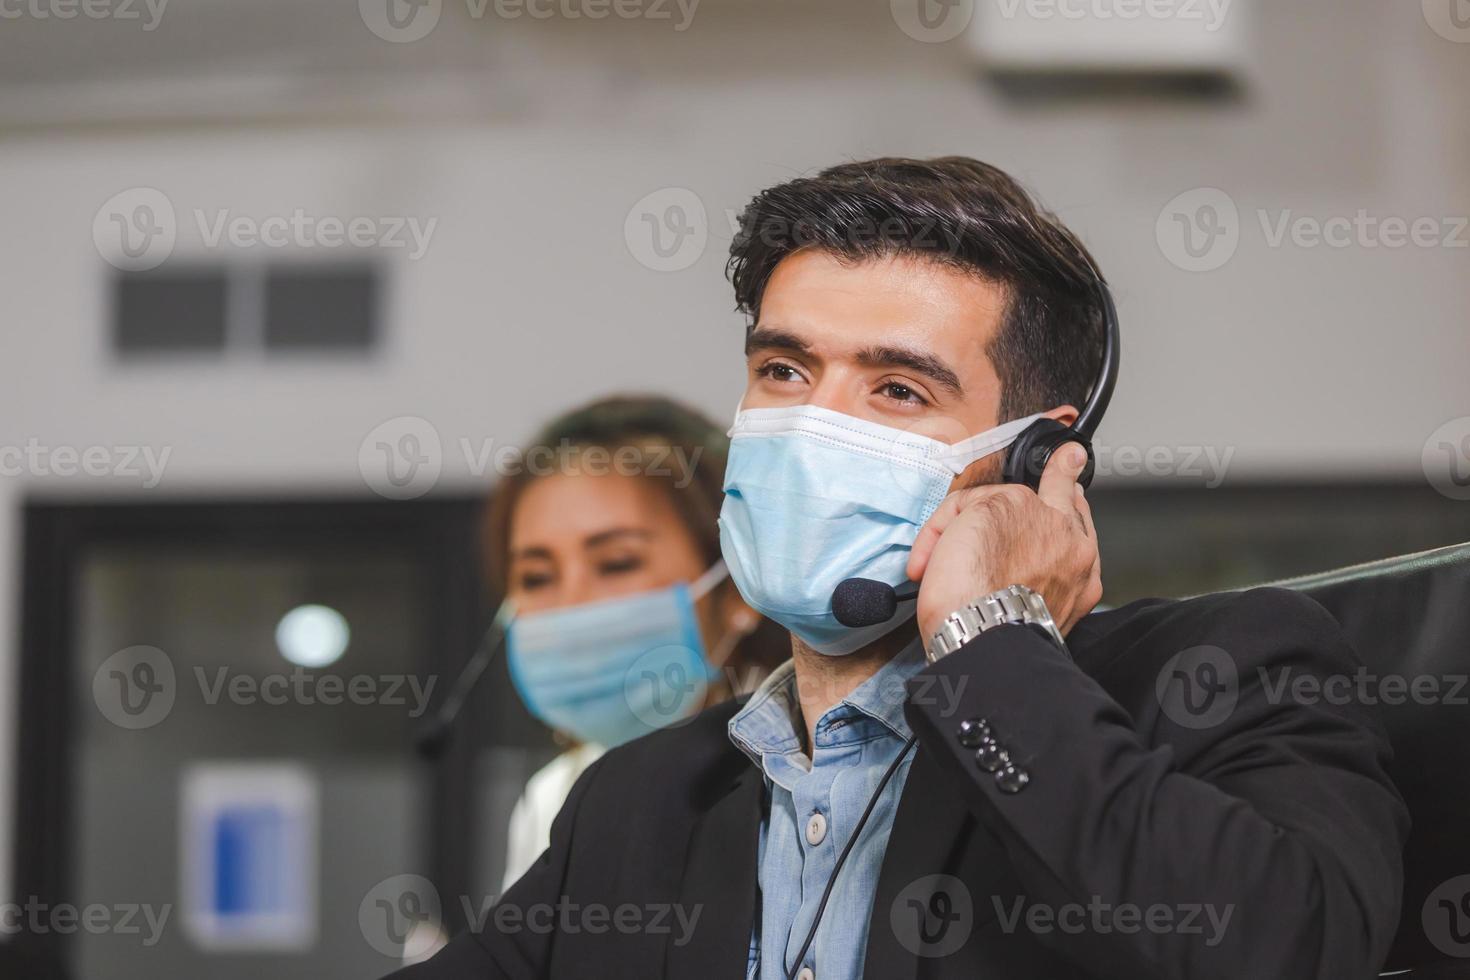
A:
[931, 830]
[719, 882]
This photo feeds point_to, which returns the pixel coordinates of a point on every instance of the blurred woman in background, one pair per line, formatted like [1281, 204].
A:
[606, 540]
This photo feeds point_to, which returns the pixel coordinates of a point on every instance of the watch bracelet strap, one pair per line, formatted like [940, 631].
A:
[1013, 605]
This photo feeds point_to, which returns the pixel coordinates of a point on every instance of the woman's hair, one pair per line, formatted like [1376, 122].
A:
[679, 450]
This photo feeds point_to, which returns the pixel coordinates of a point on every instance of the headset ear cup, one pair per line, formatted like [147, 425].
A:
[1028, 454]
[1084, 479]
[1033, 449]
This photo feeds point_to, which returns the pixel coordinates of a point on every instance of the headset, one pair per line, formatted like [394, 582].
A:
[1034, 447]
[860, 602]
[863, 602]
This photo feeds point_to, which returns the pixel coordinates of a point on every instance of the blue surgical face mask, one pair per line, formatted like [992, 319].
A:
[608, 672]
[813, 497]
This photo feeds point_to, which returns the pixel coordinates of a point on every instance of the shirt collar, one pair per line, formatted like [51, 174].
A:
[770, 720]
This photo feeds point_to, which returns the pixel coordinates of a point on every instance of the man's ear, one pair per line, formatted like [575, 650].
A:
[1065, 414]
[988, 470]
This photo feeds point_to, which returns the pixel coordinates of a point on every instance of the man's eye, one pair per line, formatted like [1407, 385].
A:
[902, 393]
[776, 371]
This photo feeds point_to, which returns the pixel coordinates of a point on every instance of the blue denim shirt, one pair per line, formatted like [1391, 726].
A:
[814, 805]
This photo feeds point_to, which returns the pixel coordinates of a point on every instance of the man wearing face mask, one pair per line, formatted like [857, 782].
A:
[988, 780]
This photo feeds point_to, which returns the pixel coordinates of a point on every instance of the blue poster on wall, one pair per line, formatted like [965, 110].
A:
[249, 856]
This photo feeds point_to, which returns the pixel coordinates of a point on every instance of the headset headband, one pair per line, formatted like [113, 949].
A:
[1107, 376]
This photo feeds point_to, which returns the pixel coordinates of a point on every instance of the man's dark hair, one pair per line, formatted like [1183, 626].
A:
[968, 215]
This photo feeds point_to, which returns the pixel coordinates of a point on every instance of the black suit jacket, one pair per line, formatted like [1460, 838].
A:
[1149, 803]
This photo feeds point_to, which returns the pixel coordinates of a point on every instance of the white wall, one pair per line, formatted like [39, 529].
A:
[1304, 361]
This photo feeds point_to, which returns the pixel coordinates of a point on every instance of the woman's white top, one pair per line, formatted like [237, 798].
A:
[530, 821]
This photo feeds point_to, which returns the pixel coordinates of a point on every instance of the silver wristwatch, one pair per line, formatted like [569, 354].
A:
[1013, 604]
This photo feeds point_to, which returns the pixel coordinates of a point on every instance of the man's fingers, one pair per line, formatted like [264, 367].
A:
[919, 555]
[1059, 490]
[1084, 510]
[942, 518]
[929, 535]
[1060, 476]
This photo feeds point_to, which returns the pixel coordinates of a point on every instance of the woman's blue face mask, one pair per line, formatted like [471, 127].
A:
[608, 672]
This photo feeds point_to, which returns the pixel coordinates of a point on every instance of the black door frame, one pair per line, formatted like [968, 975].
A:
[438, 533]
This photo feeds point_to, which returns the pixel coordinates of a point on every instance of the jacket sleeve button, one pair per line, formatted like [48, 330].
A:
[973, 731]
[1012, 779]
[991, 757]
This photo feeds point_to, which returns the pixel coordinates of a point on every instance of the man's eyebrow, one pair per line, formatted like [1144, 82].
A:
[774, 338]
[921, 362]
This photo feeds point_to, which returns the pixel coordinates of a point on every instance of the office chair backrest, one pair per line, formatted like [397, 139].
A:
[1409, 619]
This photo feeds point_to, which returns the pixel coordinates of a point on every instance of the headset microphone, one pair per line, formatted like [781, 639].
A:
[434, 736]
[859, 602]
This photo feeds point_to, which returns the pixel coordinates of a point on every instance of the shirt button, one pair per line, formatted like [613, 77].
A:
[816, 831]
[806, 974]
